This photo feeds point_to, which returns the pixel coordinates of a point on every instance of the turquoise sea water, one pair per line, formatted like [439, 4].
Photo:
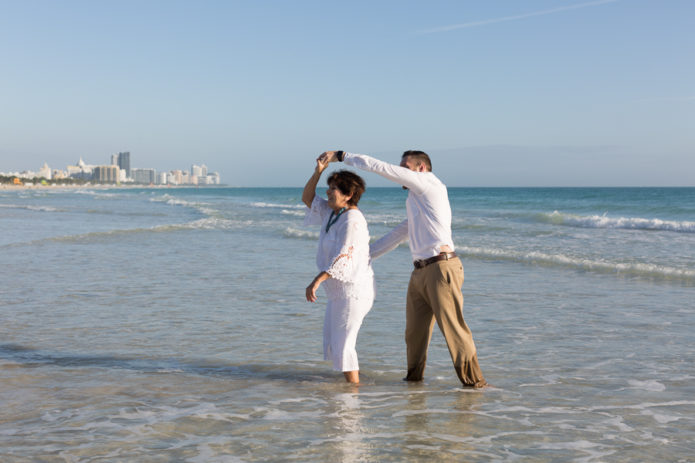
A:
[170, 325]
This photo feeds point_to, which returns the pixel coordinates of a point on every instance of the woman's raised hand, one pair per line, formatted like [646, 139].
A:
[321, 163]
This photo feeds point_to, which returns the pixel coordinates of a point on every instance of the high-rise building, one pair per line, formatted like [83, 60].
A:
[147, 176]
[124, 162]
[175, 177]
[114, 159]
[81, 170]
[45, 172]
[106, 174]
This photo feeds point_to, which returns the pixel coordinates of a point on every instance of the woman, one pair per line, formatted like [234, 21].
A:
[343, 262]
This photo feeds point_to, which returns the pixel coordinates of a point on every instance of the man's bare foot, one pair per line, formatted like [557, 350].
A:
[478, 385]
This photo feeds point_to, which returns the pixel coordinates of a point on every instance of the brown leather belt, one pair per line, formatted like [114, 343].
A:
[422, 263]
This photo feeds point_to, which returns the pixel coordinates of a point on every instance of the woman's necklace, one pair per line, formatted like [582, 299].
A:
[332, 220]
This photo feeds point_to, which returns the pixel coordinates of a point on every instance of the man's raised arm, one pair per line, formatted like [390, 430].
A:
[401, 175]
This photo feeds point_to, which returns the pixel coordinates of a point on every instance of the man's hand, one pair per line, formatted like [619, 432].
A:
[329, 156]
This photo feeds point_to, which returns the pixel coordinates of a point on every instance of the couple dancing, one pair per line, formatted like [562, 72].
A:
[344, 261]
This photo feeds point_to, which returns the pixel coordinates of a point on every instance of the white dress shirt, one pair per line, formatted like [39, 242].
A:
[428, 226]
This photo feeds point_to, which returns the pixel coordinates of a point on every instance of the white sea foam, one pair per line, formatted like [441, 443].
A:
[207, 223]
[173, 201]
[294, 213]
[647, 405]
[630, 223]
[304, 234]
[32, 208]
[96, 194]
[390, 220]
[619, 423]
[282, 206]
[660, 418]
[649, 385]
[592, 265]
[207, 210]
[205, 410]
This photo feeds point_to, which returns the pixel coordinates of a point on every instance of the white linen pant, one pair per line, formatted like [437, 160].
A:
[340, 327]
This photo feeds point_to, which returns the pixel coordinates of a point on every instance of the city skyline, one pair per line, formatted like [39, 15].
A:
[120, 171]
[534, 93]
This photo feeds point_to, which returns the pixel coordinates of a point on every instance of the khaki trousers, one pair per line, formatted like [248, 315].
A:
[434, 293]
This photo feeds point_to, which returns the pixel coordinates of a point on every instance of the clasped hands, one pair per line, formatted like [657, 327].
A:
[328, 156]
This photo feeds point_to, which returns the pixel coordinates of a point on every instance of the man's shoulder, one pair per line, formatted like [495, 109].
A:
[434, 183]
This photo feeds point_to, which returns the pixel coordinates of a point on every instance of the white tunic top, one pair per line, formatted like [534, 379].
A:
[428, 226]
[343, 252]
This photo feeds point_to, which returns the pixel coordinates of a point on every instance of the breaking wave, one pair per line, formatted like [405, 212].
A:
[97, 194]
[32, 208]
[301, 234]
[282, 206]
[630, 223]
[172, 201]
[591, 265]
[295, 213]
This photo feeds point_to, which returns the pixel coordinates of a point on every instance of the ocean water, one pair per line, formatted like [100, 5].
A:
[168, 325]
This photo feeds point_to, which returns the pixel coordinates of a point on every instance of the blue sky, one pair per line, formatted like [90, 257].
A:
[499, 93]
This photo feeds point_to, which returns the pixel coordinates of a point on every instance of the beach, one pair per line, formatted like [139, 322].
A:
[152, 324]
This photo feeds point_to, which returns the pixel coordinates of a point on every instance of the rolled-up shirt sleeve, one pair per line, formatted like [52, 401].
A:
[389, 241]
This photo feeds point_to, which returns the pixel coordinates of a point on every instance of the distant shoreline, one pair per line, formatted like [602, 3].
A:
[9, 186]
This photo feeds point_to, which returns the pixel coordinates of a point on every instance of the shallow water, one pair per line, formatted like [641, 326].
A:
[169, 325]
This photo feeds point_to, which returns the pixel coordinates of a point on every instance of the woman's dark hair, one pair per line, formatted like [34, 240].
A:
[349, 183]
[421, 157]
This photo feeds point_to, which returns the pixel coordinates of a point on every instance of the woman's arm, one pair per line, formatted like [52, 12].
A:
[310, 188]
[314, 285]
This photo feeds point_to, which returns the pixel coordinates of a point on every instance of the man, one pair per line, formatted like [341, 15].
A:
[434, 291]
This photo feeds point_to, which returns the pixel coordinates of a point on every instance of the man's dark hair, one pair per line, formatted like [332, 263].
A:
[420, 156]
[349, 183]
